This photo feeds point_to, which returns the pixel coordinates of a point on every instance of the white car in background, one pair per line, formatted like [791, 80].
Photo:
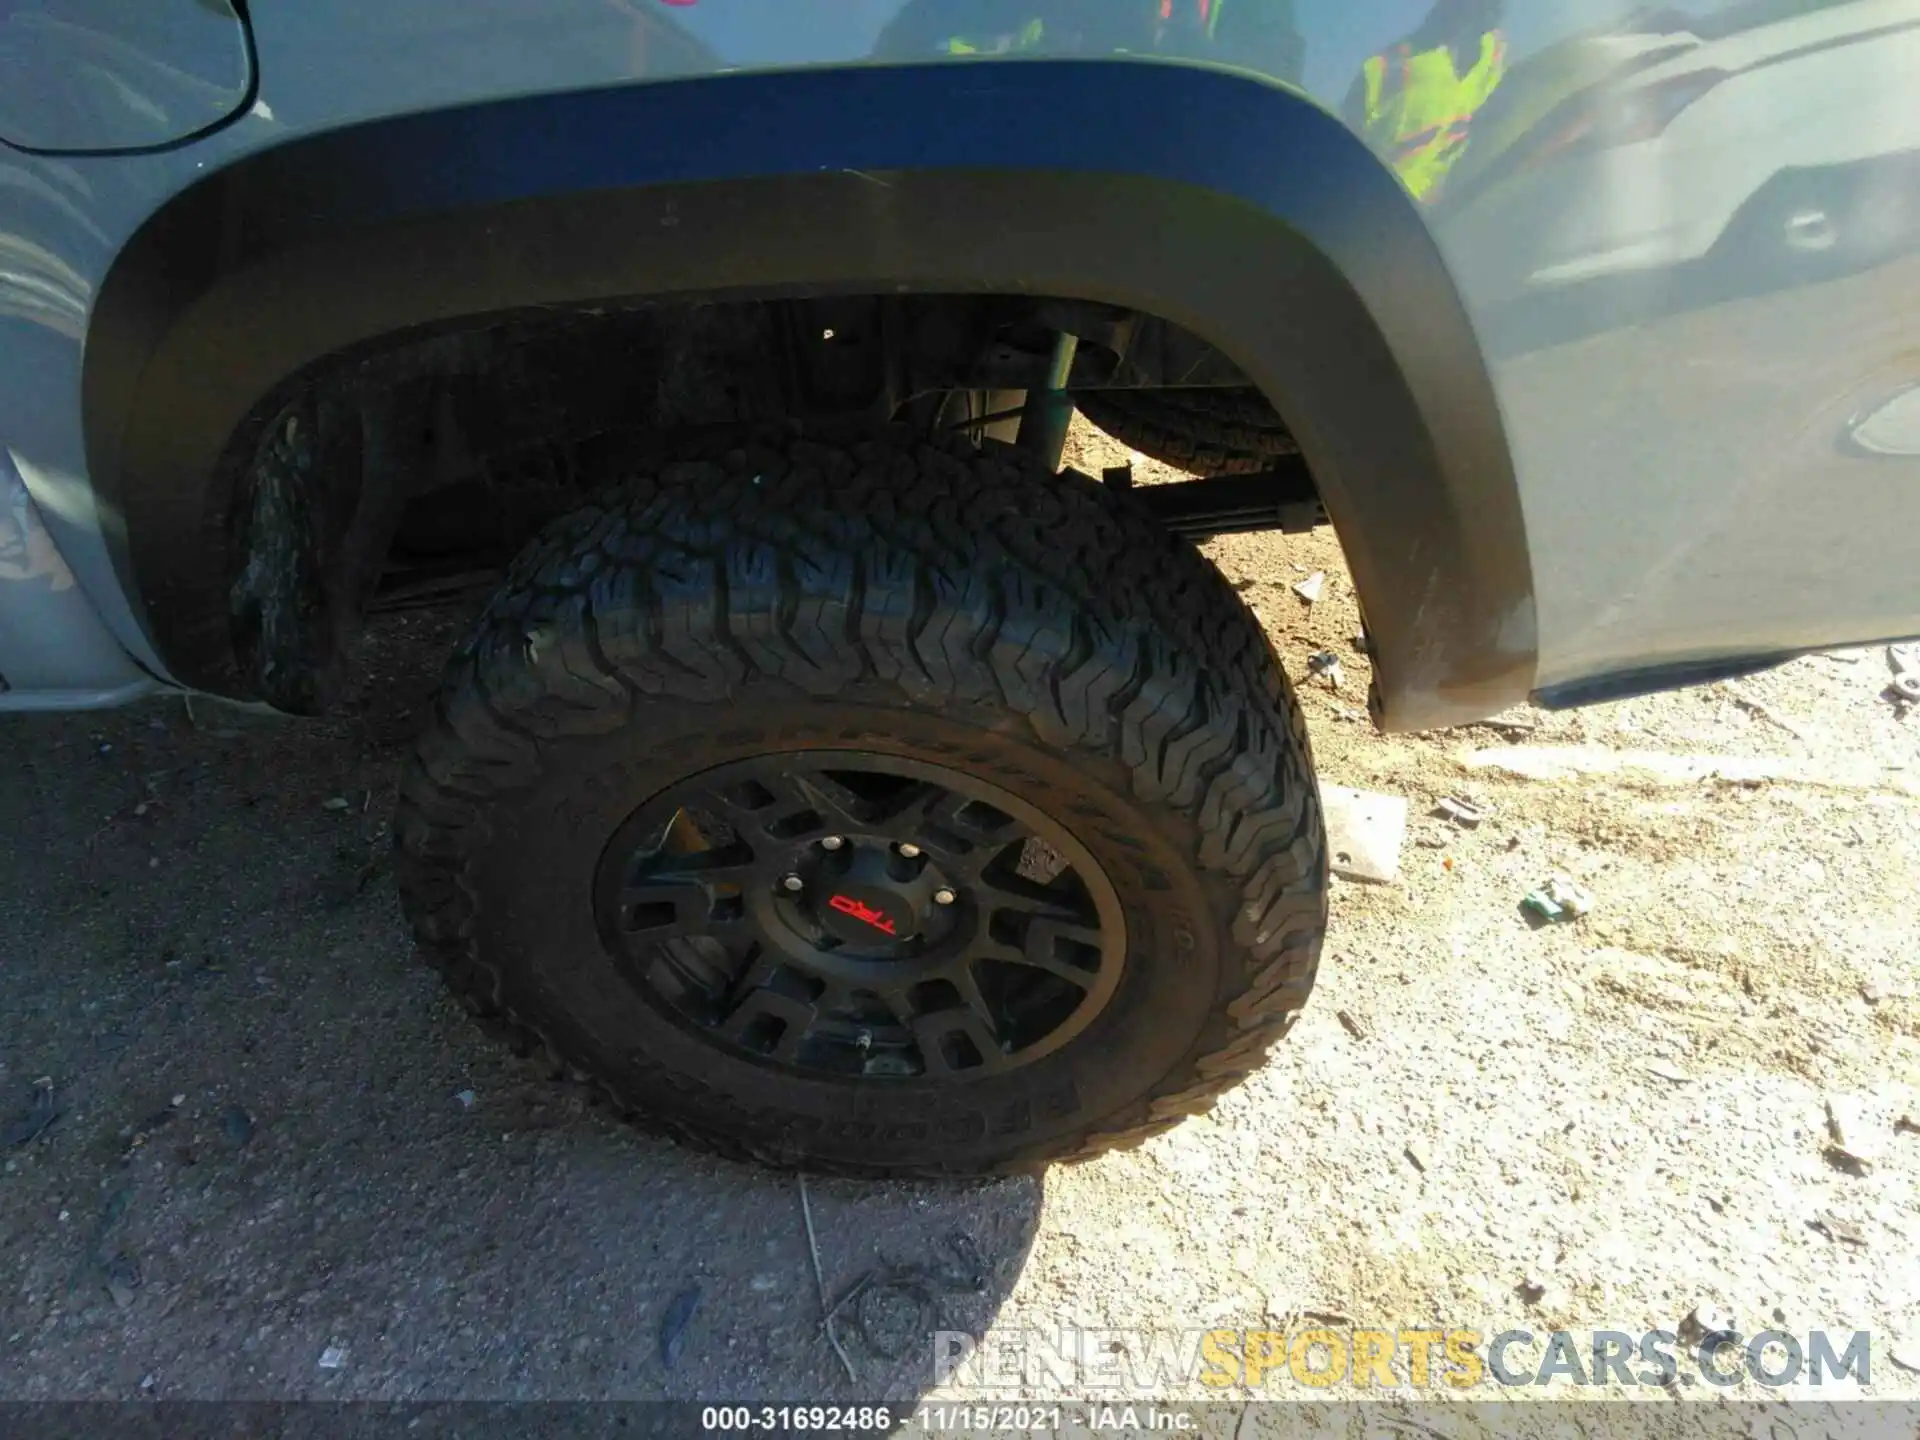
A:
[1781, 148]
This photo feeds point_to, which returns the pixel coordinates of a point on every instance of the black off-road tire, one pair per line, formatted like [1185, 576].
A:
[1205, 432]
[931, 601]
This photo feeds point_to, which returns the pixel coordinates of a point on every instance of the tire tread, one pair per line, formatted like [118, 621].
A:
[1229, 431]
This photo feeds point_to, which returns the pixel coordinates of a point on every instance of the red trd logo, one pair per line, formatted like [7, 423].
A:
[847, 905]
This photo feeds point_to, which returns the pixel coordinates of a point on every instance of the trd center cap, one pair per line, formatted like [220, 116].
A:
[866, 916]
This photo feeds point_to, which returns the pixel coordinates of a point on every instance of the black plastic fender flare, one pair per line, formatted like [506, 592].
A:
[1224, 203]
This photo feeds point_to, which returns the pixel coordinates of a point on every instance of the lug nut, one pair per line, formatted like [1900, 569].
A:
[910, 850]
[944, 896]
[794, 882]
[832, 842]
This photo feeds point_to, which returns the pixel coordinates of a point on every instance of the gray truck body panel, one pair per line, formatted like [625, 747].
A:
[59, 656]
[1698, 463]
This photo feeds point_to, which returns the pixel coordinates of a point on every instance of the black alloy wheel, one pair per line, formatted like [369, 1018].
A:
[861, 916]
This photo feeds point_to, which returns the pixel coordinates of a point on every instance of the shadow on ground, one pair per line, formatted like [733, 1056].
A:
[283, 1164]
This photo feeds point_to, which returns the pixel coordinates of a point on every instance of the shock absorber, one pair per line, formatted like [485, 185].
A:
[1049, 409]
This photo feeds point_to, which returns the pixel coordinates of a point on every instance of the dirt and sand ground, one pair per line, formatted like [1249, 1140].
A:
[285, 1166]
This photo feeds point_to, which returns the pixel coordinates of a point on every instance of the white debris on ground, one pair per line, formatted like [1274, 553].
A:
[1364, 832]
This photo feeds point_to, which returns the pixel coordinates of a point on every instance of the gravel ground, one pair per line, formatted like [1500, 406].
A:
[285, 1166]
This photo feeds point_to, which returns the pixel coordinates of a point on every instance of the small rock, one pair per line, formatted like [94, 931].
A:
[1352, 1026]
[333, 1357]
[1463, 813]
[1362, 644]
[1415, 1158]
[673, 1325]
[1309, 588]
[1668, 1072]
[1326, 665]
[1854, 1147]
[1512, 722]
[236, 1124]
[1872, 991]
[337, 802]
[1841, 1232]
[123, 1278]
[1705, 1320]
[1530, 1290]
[466, 1099]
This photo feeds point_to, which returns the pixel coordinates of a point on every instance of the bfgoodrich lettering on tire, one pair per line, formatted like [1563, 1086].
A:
[889, 808]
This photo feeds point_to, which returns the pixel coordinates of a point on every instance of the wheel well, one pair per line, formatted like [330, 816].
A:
[1283, 241]
[415, 467]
